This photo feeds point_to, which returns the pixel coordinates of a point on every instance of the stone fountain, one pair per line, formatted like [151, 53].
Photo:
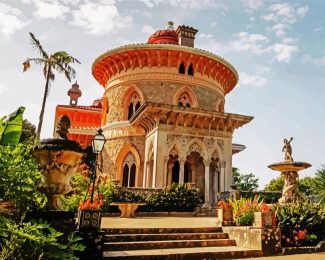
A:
[289, 170]
[58, 159]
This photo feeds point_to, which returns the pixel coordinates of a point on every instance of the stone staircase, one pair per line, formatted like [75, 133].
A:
[172, 243]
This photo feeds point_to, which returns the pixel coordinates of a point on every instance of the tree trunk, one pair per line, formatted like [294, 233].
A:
[39, 128]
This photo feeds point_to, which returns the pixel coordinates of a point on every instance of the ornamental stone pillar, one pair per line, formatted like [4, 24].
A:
[181, 170]
[223, 176]
[165, 172]
[207, 183]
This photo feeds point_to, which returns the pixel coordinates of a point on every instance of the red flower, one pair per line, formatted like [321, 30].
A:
[302, 234]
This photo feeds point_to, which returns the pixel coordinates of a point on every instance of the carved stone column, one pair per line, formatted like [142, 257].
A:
[223, 176]
[148, 179]
[207, 183]
[165, 176]
[181, 170]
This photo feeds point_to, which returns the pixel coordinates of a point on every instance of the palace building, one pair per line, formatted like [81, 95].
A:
[163, 114]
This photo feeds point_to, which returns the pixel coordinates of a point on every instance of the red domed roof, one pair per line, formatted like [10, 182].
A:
[166, 36]
[163, 37]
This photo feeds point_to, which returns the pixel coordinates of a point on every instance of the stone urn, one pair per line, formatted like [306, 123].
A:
[58, 160]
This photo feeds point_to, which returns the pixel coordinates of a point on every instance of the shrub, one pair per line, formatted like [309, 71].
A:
[177, 197]
[243, 210]
[37, 240]
[301, 223]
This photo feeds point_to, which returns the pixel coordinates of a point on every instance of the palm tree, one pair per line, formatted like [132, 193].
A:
[59, 61]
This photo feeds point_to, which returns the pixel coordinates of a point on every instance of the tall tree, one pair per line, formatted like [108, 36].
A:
[245, 182]
[59, 61]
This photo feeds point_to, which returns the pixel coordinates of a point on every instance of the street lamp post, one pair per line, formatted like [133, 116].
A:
[97, 144]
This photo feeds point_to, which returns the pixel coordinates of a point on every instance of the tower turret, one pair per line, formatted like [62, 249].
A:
[74, 92]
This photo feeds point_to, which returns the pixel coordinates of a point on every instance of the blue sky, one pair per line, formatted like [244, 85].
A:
[278, 48]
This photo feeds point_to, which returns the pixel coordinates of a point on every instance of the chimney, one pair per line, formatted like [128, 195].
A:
[186, 35]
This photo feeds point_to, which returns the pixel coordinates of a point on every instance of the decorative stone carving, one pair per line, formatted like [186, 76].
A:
[115, 97]
[209, 142]
[58, 160]
[195, 148]
[221, 144]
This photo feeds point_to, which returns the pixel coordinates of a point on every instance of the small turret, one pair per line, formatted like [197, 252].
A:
[74, 93]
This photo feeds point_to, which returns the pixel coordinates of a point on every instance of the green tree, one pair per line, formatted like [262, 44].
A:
[245, 182]
[29, 131]
[59, 61]
[320, 184]
[275, 184]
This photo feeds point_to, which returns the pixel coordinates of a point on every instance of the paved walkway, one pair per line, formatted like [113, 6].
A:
[315, 256]
[158, 222]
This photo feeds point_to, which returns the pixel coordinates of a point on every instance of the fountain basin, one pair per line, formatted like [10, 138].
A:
[288, 166]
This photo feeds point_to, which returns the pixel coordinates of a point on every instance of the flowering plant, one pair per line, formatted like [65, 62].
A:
[96, 204]
[265, 208]
[224, 205]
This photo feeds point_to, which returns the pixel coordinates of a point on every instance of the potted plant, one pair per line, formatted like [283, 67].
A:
[225, 213]
[265, 217]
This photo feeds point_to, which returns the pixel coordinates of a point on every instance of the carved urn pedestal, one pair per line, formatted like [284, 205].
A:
[58, 160]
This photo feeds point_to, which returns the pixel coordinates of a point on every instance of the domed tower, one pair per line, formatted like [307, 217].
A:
[164, 113]
[74, 93]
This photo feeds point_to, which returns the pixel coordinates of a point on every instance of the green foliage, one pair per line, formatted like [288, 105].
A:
[245, 182]
[28, 132]
[266, 196]
[11, 127]
[243, 209]
[301, 223]
[275, 184]
[20, 177]
[177, 197]
[36, 240]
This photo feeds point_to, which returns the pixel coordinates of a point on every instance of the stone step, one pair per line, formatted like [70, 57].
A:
[227, 252]
[161, 230]
[164, 236]
[139, 245]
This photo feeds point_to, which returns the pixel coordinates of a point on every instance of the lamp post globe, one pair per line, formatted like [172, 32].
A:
[98, 142]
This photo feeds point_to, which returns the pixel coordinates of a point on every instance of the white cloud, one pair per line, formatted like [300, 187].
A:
[147, 29]
[252, 80]
[9, 21]
[213, 24]
[285, 13]
[50, 10]
[284, 52]
[100, 19]
[252, 4]
[279, 29]
[250, 42]
[317, 29]
[252, 19]
[306, 58]
[191, 4]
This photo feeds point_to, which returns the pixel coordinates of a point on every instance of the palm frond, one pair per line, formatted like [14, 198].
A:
[37, 45]
[66, 69]
[65, 57]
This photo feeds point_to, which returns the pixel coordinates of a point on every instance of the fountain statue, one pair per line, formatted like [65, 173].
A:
[289, 170]
[58, 159]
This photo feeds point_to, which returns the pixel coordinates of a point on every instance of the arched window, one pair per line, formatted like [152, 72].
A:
[129, 171]
[184, 100]
[190, 70]
[181, 69]
[134, 105]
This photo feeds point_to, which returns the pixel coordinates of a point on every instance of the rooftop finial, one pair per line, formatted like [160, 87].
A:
[170, 25]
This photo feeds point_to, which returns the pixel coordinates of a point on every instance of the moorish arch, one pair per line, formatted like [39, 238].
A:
[185, 97]
[173, 166]
[132, 101]
[128, 156]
